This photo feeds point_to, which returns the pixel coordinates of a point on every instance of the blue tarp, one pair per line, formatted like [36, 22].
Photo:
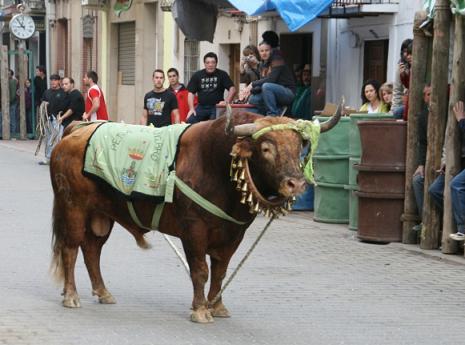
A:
[295, 13]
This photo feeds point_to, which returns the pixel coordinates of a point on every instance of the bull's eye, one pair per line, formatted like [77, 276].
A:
[268, 151]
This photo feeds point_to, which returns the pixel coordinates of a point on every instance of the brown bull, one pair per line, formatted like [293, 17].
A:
[85, 210]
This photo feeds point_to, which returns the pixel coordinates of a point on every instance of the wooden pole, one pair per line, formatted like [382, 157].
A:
[421, 46]
[22, 98]
[436, 120]
[453, 144]
[5, 93]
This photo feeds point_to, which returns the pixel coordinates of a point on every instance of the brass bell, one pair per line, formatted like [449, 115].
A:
[289, 206]
[239, 164]
[235, 176]
[257, 207]
[242, 177]
[239, 185]
[243, 199]
[250, 198]
[245, 187]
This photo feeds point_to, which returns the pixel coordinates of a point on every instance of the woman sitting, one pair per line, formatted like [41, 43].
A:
[276, 88]
[385, 94]
[249, 65]
[371, 101]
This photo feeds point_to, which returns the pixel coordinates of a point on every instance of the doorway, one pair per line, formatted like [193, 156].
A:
[375, 60]
[234, 61]
[297, 49]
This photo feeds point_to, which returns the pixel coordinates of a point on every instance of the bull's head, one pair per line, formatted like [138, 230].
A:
[266, 162]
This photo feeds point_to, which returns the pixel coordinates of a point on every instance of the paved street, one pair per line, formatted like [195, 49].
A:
[306, 283]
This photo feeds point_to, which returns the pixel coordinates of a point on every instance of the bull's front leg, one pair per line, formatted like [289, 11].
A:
[199, 275]
[219, 266]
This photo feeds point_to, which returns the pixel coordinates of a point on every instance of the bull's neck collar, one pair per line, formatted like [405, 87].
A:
[250, 195]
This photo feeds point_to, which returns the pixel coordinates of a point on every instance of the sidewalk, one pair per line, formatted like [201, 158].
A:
[305, 283]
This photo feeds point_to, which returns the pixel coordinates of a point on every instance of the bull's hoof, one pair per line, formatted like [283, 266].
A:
[104, 297]
[219, 310]
[71, 301]
[202, 315]
[107, 299]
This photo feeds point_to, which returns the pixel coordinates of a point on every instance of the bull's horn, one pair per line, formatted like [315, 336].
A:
[326, 126]
[245, 129]
[229, 127]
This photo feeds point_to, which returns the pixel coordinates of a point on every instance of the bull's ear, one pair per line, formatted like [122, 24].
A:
[242, 148]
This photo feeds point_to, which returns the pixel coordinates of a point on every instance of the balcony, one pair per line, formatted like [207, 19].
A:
[36, 5]
[360, 8]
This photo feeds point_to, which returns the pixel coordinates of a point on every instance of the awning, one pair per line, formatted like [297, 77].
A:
[197, 18]
[295, 13]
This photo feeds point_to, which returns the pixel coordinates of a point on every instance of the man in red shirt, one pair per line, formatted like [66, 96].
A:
[181, 93]
[96, 109]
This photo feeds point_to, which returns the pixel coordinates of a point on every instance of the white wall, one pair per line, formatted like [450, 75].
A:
[346, 39]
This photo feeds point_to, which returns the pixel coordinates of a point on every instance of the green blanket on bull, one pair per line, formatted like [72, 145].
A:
[133, 159]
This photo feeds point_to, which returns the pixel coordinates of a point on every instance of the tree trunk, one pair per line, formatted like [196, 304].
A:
[453, 144]
[436, 120]
[421, 46]
[5, 93]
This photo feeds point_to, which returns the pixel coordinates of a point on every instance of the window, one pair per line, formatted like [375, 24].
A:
[191, 58]
[127, 52]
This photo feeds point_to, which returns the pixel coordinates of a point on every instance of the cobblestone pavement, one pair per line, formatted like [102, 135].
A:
[306, 283]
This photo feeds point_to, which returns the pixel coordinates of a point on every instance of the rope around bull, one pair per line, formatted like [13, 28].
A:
[236, 270]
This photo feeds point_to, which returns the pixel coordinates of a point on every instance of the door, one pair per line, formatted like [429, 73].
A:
[234, 60]
[375, 60]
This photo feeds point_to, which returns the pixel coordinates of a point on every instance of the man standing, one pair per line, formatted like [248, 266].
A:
[74, 103]
[209, 84]
[160, 104]
[56, 103]
[40, 84]
[181, 93]
[96, 109]
[13, 86]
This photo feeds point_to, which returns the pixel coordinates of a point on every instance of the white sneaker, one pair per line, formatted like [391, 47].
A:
[458, 236]
[44, 162]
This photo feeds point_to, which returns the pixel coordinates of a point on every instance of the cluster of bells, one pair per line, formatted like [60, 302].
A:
[239, 174]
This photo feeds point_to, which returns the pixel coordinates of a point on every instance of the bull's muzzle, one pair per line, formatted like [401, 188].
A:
[292, 186]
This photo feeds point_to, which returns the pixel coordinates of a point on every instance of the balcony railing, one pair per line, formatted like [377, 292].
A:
[342, 3]
[360, 8]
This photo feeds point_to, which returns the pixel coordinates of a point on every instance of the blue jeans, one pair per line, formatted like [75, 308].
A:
[272, 98]
[436, 190]
[13, 119]
[418, 185]
[398, 112]
[457, 191]
[53, 134]
[203, 113]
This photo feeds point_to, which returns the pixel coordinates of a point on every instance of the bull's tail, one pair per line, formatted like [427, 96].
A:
[56, 266]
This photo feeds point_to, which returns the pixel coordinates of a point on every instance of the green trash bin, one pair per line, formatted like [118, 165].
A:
[353, 207]
[331, 203]
[334, 142]
[331, 169]
[331, 159]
